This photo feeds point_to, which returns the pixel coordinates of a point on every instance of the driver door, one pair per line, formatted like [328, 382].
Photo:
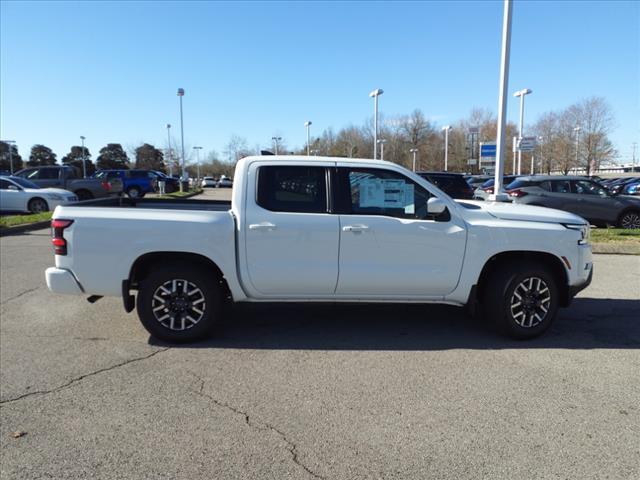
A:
[389, 245]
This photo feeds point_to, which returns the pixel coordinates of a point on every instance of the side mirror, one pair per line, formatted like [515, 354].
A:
[435, 206]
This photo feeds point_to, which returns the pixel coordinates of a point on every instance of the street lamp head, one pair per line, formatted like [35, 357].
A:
[576, 129]
[376, 92]
[382, 140]
[181, 92]
[524, 91]
[82, 137]
[306, 124]
[446, 127]
[413, 150]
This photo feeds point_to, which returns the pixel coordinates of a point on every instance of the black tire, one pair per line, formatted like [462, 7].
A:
[134, 192]
[629, 219]
[500, 300]
[179, 308]
[84, 195]
[38, 205]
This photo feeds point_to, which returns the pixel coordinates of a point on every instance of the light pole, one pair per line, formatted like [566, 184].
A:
[197, 149]
[633, 158]
[375, 94]
[577, 130]
[414, 151]
[521, 94]
[275, 141]
[382, 142]
[498, 194]
[84, 158]
[10, 142]
[446, 129]
[308, 124]
[169, 152]
[181, 94]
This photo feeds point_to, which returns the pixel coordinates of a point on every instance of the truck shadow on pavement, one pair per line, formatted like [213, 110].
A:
[588, 324]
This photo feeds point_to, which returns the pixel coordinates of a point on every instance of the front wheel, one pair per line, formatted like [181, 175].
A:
[179, 303]
[521, 301]
[630, 219]
[38, 205]
[134, 192]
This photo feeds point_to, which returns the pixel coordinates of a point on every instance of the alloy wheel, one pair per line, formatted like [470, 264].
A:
[630, 220]
[178, 304]
[530, 302]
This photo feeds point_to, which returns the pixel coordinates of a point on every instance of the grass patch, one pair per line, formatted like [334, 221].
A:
[15, 220]
[179, 194]
[608, 235]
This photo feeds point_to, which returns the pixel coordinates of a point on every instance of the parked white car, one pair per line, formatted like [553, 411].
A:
[225, 182]
[20, 195]
[321, 230]
[209, 182]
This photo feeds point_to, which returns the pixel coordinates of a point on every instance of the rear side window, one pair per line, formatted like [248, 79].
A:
[560, 186]
[138, 174]
[292, 189]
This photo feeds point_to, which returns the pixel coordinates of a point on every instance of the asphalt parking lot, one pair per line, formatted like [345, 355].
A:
[331, 392]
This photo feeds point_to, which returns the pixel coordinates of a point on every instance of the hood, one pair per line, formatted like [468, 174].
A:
[527, 213]
[49, 191]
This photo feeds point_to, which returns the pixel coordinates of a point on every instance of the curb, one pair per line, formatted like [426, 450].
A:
[618, 248]
[27, 227]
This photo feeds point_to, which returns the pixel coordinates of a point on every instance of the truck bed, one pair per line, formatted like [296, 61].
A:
[157, 203]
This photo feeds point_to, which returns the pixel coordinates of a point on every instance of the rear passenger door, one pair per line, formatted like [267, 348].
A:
[290, 238]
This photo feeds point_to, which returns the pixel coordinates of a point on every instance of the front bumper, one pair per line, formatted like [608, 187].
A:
[575, 289]
[60, 280]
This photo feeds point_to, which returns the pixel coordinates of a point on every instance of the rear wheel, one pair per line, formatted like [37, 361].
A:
[134, 192]
[84, 195]
[521, 301]
[179, 303]
[629, 219]
[38, 205]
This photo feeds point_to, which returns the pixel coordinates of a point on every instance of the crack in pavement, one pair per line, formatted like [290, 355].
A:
[81, 377]
[19, 295]
[291, 447]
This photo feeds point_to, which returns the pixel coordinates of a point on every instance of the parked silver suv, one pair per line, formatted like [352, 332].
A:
[579, 195]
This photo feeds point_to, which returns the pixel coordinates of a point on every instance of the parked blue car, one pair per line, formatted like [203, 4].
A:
[137, 183]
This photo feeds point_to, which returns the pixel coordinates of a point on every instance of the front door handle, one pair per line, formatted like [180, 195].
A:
[355, 228]
[262, 226]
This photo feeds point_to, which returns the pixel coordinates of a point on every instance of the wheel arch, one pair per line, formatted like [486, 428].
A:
[554, 263]
[145, 263]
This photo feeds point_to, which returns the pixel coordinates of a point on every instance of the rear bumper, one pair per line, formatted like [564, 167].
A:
[60, 280]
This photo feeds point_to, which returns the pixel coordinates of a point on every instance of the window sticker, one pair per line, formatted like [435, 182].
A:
[386, 193]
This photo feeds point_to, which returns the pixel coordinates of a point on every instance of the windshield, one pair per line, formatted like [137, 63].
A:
[23, 183]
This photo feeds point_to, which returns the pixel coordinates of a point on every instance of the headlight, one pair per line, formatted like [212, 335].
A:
[54, 196]
[585, 232]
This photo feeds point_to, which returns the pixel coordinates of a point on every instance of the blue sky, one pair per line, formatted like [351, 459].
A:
[110, 70]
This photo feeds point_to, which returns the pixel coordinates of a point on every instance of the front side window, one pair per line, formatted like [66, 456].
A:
[292, 189]
[48, 174]
[584, 187]
[4, 185]
[383, 192]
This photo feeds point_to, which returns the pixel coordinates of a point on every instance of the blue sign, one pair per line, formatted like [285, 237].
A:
[488, 150]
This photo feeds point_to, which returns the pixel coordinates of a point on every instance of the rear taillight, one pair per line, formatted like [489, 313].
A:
[57, 234]
[488, 189]
[516, 193]
[106, 185]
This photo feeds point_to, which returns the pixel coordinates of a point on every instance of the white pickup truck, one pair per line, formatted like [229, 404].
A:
[305, 229]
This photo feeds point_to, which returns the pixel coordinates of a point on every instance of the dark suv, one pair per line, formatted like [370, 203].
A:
[453, 184]
[578, 195]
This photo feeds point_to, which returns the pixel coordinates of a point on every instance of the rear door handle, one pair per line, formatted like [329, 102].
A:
[355, 228]
[262, 226]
